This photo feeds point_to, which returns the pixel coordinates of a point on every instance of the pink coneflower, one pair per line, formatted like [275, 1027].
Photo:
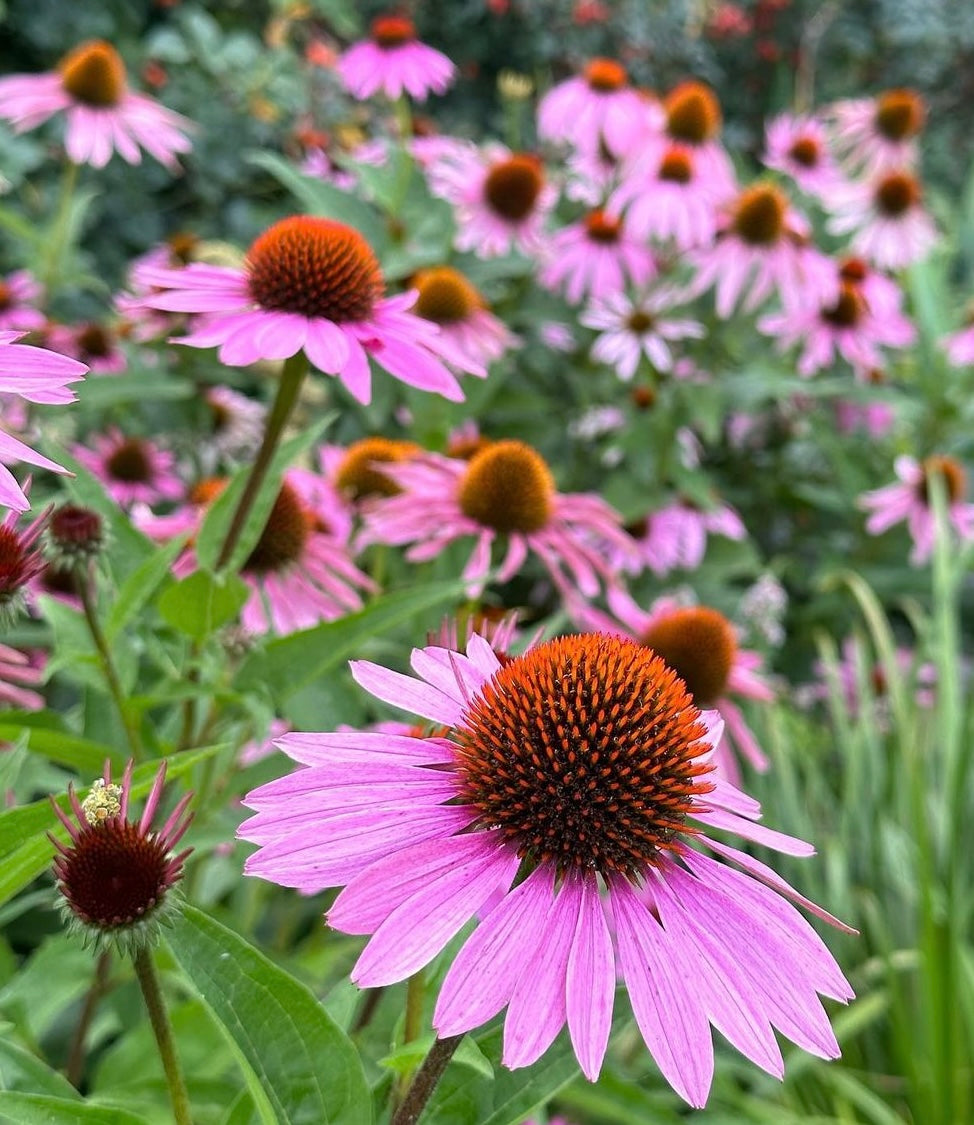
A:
[763, 248]
[18, 676]
[701, 646]
[596, 107]
[505, 491]
[300, 572]
[666, 199]
[631, 328]
[394, 61]
[676, 536]
[319, 164]
[132, 469]
[470, 336]
[237, 424]
[501, 199]
[863, 679]
[877, 418]
[94, 344]
[693, 120]
[21, 560]
[114, 875]
[851, 327]
[959, 345]
[595, 257]
[909, 501]
[35, 375]
[590, 175]
[311, 284]
[19, 295]
[103, 115]
[886, 217]
[798, 146]
[879, 133]
[563, 788]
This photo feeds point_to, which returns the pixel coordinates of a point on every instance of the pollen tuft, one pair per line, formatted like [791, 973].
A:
[699, 645]
[950, 471]
[896, 193]
[605, 75]
[602, 228]
[759, 215]
[392, 31]
[512, 186]
[900, 114]
[315, 268]
[445, 296]
[806, 151]
[285, 534]
[584, 752]
[508, 487]
[692, 113]
[130, 462]
[94, 74]
[357, 475]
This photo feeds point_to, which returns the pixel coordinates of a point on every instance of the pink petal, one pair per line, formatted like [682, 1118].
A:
[590, 983]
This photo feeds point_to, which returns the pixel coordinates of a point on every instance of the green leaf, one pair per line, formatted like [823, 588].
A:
[285, 665]
[320, 198]
[141, 585]
[81, 754]
[42, 1109]
[138, 387]
[298, 1065]
[203, 602]
[216, 523]
[22, 1071]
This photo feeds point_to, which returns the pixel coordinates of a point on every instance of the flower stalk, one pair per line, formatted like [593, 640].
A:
[148, 978]
[427, 1077]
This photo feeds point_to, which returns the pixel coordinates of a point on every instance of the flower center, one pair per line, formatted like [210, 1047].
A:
[605, 75]
[759, 215]
[182, 246]
[900, 114]
[584, 753]
[848, 309]
[6, 297]
[853, 269]
[512, 186]
[950, 471]
[509, 487]
[699, 645]
[601, 228]
[316, 268]
[76, 532]
[284, 537]
[93, 73]
[94, 341]
[639, 321]
[464, 446]
[676, 167]
[357, 475]
[897, 193]
[114, 873]
[392, 31]
[805, 151]
[206, 491]
[15, 562]
[130, 462]
[445, 296]
[692, 113]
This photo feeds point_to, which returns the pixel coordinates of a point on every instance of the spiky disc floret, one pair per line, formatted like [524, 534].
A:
[116, 875]
[585, 752]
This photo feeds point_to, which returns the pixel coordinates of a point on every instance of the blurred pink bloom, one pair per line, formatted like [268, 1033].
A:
[94, 344]
[504, 492]
[676, 536]
[693, 120]
[394, 61]
[522, 816]
[665, 198]
[556, 335]
[319, 164]
[959, 346]
[597, 107]
[763, 249]
[886, 218]
[18, 676]
[311, 284]
[909, 501]
[857, 669]
[501, 198]
[470, 337]
[19, 295]
[590, 175]
[103, 115]
[631, 328]
[876, 418]
[36, 375]
[798, 146]
[595, 257]
[132, 469]
[879, 133]
[237, 425]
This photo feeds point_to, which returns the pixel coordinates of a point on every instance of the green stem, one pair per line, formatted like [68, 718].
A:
[108, 667]
[412, 1024]
[424, 1083]
[51, 268]
[288, 387]
[76, 1055]
[145, 970]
